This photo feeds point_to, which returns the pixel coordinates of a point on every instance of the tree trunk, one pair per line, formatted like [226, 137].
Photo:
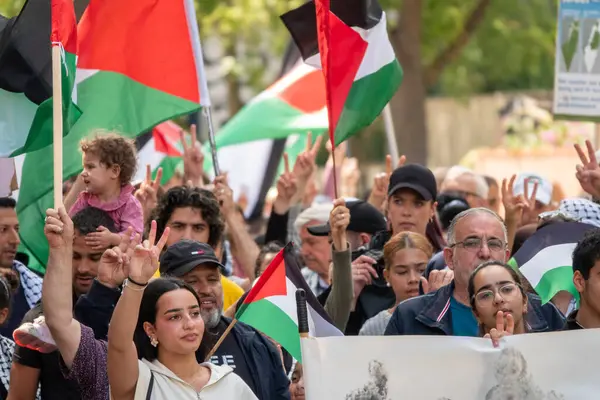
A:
[455, 47]
[234, 100]
[408, 105]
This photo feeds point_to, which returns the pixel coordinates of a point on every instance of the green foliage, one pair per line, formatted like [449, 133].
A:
[251, 33]
[10, 8]
[512, 49]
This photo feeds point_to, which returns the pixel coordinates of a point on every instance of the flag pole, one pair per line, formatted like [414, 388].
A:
[390, 134]
[211, 140]
[220, 341]
[57, 124]
[335, 185]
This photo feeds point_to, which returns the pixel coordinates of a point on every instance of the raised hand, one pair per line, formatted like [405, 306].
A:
[381, 182]
[147, 194]
[143, 263]
[501, 328]
[305, 162]
[58, 228]
[224, 194]
[518, 209]
[339, 153]
[363, 273]
[114, 262]
[588, 172]
[193, 158]
[287, 188]
[437, 279]
[339, 219]
[349, 177]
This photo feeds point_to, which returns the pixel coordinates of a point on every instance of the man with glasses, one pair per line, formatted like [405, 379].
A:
[475, 236]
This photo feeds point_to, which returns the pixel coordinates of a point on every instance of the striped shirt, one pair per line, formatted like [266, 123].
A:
[375, 326]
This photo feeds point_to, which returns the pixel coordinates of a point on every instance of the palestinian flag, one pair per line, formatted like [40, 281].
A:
[270, 306]
[251, 143]
[348, 40]
[26, 75]
[545, 259]
[139, 64]
[160, 148]
[293, 104]
[8, 177]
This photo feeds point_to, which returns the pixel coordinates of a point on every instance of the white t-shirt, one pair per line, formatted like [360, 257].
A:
[223, 384]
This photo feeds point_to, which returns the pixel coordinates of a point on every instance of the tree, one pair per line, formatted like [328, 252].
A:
[459, 46]
[252, 37]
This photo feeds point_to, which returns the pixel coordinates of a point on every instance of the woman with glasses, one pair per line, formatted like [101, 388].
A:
[498, 300]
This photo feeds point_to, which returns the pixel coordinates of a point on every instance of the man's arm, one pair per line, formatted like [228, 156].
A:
[57, 296]
[24, 381]
[243, 247]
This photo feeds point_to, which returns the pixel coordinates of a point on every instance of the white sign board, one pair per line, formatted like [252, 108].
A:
[542, 366]
[577, 61]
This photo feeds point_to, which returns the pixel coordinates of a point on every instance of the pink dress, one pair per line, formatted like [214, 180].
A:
[126, 211]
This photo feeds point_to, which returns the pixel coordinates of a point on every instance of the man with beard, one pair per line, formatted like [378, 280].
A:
[475, 236]
[194, 219]
[31, 367]
[30, 285]
[252, 356]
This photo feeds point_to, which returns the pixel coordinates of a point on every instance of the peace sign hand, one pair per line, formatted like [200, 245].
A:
[193, 158]
[114, 262]
[147, 194]
[144, 260]
[287, 188]
[305, 162]
[519, 209]
[588, 172]
[501, 329]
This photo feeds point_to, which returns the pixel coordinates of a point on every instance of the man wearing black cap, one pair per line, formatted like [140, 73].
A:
[252, 356]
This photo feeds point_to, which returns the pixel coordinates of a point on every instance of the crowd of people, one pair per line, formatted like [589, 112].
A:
[143, 279]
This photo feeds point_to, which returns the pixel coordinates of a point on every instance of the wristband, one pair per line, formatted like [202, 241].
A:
[136, 283]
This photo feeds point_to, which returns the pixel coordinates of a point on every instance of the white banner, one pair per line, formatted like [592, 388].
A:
[543, 366]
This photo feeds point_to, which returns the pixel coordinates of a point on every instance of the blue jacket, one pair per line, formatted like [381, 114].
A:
[430, 315]
[95, 308]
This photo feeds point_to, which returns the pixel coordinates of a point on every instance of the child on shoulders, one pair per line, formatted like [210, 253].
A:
[109, 163]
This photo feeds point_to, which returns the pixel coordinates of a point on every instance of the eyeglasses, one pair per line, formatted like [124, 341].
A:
[506, 291]
[475, 244]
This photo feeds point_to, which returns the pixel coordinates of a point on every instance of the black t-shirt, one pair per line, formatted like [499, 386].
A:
[53, 383]
[229, 353]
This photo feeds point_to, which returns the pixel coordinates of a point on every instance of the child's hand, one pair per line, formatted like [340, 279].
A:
[101, 240]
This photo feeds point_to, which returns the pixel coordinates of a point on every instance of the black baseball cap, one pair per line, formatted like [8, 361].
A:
[185, 255]
[415, 177]
[364, 218]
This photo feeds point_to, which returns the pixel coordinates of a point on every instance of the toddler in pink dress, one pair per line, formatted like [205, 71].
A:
[109, 163]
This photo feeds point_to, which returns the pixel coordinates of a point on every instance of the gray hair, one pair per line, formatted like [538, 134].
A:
[316, 212]
[473, 211]
[481, 186]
